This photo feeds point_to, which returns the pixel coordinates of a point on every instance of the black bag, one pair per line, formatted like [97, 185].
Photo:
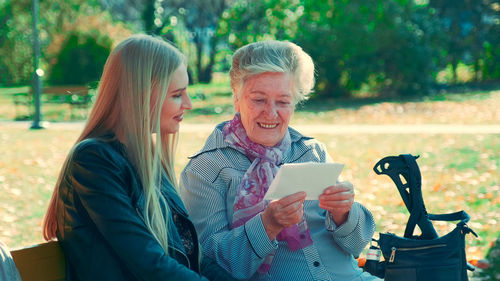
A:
[426, 257]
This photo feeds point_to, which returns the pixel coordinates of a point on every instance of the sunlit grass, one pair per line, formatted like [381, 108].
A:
[454, 178]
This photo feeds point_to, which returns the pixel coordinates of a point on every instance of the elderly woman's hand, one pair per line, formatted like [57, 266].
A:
[338, 199]
[282, 213]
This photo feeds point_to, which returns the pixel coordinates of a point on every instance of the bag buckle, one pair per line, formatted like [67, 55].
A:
[466, 230]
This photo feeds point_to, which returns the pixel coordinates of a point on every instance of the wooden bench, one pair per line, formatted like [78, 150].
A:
[78, 97]
[41, 262]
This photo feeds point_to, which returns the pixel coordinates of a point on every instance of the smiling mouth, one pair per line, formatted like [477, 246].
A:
[179, 117]
[267, 126]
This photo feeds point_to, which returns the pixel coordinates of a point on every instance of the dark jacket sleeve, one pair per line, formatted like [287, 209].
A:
[102, 183]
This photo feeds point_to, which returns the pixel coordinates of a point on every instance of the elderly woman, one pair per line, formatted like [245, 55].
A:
[224, 184]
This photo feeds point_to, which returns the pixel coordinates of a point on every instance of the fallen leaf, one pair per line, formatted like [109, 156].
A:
[437, 187]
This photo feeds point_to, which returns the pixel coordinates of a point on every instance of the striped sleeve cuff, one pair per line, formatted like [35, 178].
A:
[257, 236]
[346, 228]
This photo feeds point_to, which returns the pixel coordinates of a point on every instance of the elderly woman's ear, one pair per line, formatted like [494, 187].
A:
[236, 103]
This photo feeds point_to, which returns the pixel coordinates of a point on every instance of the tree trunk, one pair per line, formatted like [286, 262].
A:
[205, 73]
[148, 16]
[199, 55]
[454, 64]
[476, 70]
[206, 76]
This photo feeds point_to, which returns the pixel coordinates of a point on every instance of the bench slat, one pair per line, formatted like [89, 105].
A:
[64, 90]
[76, 96]
[42, 262]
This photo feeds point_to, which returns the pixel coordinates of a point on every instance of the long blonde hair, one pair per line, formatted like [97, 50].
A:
[136, 67]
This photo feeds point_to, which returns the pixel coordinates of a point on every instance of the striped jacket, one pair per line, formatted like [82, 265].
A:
[208, 187]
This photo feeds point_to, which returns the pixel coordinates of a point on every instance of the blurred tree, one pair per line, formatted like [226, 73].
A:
[468, 25]
[148, 17]
[15, 42]
[384, 45]
[340, 36]
[81, 59]
[201, 19]
[5, 16]
[197, 19]
[489, 62]
[126, 11]
[387, 45]
[251, 21]
[15, 32]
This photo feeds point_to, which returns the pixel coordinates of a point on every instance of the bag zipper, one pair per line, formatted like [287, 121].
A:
[393, 250]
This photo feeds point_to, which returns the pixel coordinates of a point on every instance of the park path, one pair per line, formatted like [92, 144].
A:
[314, 129]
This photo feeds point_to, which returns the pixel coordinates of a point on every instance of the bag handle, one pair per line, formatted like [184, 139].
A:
[461, 216]
[404, 168]
[418, 213]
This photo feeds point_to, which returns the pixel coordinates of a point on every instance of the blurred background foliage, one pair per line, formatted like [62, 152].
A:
[81, 59]
[378, 48]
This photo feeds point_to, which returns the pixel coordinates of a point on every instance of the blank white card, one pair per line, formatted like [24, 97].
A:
[310, 177]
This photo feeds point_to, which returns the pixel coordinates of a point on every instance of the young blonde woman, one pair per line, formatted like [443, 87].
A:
[115, 209]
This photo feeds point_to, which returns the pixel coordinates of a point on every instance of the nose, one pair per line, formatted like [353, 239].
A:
[186, 102]
[271, 110]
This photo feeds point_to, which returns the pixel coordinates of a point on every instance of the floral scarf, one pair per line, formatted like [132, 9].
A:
[250, 193]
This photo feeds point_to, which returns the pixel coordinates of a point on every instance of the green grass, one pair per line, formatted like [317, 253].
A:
[31, 160]
[213, 103]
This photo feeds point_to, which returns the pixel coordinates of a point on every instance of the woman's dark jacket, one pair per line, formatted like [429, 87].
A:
[100, 221]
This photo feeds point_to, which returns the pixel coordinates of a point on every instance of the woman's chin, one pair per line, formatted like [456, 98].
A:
[268, 141]
[171, 129]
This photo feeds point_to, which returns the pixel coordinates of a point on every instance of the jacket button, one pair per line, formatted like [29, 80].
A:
[316, 263]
